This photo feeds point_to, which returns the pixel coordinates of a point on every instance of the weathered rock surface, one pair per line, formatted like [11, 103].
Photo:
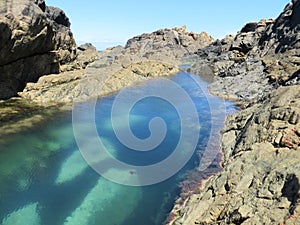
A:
[260, 180]
[95, 81]
[35, 40]
[86, 54]
[144, 57]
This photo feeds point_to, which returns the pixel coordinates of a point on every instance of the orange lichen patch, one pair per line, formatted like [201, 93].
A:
[291, 218]
[290, 139]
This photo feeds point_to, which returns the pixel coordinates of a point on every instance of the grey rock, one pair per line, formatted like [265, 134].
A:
[279, 46]
[65, 43]
[86, 46]
[177, 39]
[86, 54]
[41, 4]
[283, 34]
[249, 27]
[25, 70]
[58, 16]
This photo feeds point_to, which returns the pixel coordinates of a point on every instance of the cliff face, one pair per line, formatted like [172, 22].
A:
[34, 40]
[259, 183]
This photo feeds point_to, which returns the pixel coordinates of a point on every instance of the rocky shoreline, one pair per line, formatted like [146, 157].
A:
[259, 68]
[143, 57]
[259, 182]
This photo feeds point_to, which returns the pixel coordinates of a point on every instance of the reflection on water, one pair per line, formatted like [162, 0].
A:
[44, 179]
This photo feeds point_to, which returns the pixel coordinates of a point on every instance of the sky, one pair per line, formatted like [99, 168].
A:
[107, 23]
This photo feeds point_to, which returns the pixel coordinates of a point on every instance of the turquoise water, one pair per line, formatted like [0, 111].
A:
[45, 180]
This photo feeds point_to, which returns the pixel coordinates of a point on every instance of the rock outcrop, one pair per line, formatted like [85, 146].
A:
[261, 56]
[233, 61]
[279, 46]
[95, 81]
[144, 57]
[35, 40]
[259, 182]
[166, 43]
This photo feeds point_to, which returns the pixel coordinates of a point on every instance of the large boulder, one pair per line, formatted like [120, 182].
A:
[34, 40]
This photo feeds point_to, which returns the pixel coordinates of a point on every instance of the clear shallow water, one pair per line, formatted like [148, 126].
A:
[44, 179]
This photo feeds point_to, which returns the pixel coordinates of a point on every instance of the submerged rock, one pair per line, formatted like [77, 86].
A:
[29, 214]
[75, 165]
[30, 155]
[99, 205]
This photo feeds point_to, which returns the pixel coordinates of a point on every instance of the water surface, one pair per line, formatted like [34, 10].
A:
[45, 180]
